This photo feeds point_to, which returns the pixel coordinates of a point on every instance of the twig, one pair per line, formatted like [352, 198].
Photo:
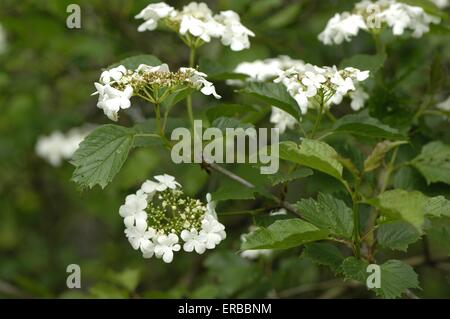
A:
[242, 181]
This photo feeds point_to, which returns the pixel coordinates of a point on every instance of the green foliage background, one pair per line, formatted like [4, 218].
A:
[46, 223]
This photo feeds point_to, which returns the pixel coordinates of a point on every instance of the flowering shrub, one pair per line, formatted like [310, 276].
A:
[361, 139]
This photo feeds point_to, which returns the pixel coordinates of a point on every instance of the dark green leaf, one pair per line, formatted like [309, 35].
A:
[434, 162]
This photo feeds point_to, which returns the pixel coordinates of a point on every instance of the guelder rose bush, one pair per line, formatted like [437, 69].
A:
[335, 131]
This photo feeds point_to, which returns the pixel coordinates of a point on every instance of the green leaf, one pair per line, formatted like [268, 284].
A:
[328, 213]
[434, 162]
[229, 110]
[133, 62]
[364, 125]
[324, 254]
[375, 159]
[283, 234]
[279, 177]
[128, 279]
[314, 154]
[233, 192]
[395, 276]
[274, 94]
[216, 71]
[400, 204]
[365, 62]
[223, 123]
[284, 17]
[411, 207]
[397, 235]
[440, 234]
[101, 155]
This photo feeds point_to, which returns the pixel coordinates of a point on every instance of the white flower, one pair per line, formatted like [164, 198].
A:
[165, 182]
[442, 3]
[58, 146]
[140, 237]
[134, 210]
[213, 231]
[368, 15]
[111, 100]
[165, 246]
[210, 206]
[193, 241]
[341, 28]
[235, 34]
[282, 119]
[152, 14]
[115, 74]
[197, 20]
[159, 214]
[149, 187]
[311, 85]
[256, 253]
[359, 98]
[199, 81]
[445, 105]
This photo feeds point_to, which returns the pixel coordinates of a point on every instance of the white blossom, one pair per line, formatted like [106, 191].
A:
[198, 79]
[152, 14]
[140, 237]
[165, 246]
[198, 21]
[213, 231]
[311, 85]
[368, 15]
[341, 28]
[442, 3]
[359, 98]
[58, 146]
[148, 227]
[133, 211]
[282, 120]
[166, 181]
[444, 105]
[193, 241]
[111, 100]
[114, 74]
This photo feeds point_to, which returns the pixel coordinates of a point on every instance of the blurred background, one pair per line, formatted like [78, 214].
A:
[47, 73]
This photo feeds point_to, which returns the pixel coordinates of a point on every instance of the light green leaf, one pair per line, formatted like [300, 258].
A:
[283, 234]
[133, 62]
[314, 154]
[396, 276]
[101, 155]
[274, 94]
[328, 213]
[365, 62]
[410, 206]
[400, 204]
[324, 254]
[233, 192]
[434, 162]
[364, 125]
[279, 177]
[374, 160]
[229, 110]
[397, 235]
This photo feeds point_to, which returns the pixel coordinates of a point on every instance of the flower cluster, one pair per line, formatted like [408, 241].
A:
[313, 86]
[160, 220]
[59, 146]
[370, 15]
[197, 24]
[267, 70]
[153, 83]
